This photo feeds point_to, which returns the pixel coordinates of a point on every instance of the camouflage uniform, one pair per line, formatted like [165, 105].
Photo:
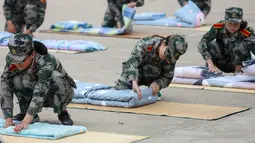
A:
[45, 83]
[113, 12]
[204, 5]
[25, 13]
[228, 50]
[145, 65]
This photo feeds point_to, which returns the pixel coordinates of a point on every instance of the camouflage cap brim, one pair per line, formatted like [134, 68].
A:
[170, 55]
[16, 59]
[234, 20]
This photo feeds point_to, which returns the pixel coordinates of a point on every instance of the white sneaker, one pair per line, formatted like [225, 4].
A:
[159, 98]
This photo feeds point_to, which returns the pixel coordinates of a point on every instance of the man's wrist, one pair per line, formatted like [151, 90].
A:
[9, 22]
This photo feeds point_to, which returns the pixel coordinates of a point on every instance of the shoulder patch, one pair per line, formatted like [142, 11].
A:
[149, 48]
[12, 67]
[245, 32]
[43, 1]
[218, 25]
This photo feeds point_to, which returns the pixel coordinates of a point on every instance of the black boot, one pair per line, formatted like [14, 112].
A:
[65, 119]
[21, 116]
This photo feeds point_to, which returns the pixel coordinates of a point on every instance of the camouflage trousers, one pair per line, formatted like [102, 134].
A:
[123, 83]
[25, 19]
[110, 19]
[58, 97]
[226, 57]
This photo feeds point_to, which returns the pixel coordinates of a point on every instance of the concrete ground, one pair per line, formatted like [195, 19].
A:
[105, 67]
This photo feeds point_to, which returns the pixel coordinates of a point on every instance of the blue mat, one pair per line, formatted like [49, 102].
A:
[70, 45]
[189, 16]
[43, 130]
[70, 26]
[104, 95]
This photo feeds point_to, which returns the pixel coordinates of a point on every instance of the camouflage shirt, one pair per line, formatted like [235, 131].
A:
[16, 7]
[204, 5]
[116, 6]
[219, 32]
[145, 65]
[38, 84]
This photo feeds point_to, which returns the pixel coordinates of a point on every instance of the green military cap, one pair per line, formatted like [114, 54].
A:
[20, 46]
[176, 46]
[234, 14]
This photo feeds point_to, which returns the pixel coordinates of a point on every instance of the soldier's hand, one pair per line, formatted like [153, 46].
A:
[8, 122]
[155, 88]
[131, 4]
[137, 89]
[213, 68]
[10, 27]
[20, 127]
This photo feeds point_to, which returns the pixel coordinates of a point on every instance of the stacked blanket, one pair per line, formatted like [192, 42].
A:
[4, 36]
[84, 27]
[189, 16]
[249, 67]
[43, 130]
[197, 72]
[71, 45]
[104, 95]
[195, 75]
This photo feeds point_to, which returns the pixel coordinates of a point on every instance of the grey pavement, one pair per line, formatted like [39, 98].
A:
[105, 67]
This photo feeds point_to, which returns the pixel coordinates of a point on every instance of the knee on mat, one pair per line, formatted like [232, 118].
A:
[30, 13]
[226, 68]
[122, 86]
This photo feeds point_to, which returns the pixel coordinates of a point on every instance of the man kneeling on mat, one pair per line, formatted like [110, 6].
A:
[37, 79]
[228, 43]
[152, 63]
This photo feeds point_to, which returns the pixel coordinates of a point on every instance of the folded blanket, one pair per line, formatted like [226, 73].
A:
[189, 81]
[188, 16]
[241, 85]
[195, 72]
[249, 67]
[43, 130]
[149, 16]
[225, 80]
[71, 45]
[74, 45]
[215, 82]
[70, 25]
[128, 16]
[99, 94]
[195, 75]
[4, 36]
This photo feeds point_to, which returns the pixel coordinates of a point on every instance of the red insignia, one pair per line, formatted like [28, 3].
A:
[218, 25]
[149, 48]
[245, 32]
[12, 67]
